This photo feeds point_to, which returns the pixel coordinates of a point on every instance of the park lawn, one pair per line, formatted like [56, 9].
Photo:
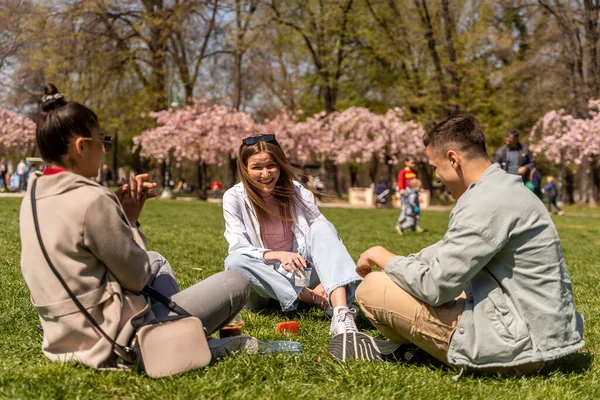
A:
[189, 234]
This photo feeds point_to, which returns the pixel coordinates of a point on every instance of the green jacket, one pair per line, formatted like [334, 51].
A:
[503, 250]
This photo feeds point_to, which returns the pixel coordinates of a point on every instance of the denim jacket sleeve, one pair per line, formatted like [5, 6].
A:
[440, 272]
[236, 231]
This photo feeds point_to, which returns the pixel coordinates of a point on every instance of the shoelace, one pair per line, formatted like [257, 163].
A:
[348, 320]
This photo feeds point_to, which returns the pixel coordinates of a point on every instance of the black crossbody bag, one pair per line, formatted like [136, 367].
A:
[161, 348]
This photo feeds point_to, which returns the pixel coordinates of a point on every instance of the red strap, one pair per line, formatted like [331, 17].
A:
[52, 171]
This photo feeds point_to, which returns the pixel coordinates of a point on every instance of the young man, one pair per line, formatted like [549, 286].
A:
[514, 157]
[494, 294]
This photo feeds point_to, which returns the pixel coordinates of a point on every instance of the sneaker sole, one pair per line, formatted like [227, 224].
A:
[235, 344]
[354, 346]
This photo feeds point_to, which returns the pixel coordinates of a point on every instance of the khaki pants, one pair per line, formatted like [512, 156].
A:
[404, 319]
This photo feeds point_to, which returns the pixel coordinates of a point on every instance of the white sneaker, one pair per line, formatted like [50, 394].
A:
[399, 230]
[221, 348]
[343, 321]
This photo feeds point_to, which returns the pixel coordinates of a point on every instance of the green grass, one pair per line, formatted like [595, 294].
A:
[189, 234]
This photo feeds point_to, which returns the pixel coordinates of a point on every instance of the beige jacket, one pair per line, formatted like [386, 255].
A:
[100, 256]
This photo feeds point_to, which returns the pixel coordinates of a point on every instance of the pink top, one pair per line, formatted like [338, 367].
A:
[275, 235]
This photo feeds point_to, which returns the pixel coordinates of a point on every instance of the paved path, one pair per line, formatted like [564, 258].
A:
[339, 205]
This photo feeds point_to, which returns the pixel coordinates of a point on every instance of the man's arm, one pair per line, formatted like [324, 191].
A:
[528, 160]
[461, 254]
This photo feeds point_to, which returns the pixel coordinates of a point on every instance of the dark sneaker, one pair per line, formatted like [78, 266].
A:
[221, 348]
[358, 346]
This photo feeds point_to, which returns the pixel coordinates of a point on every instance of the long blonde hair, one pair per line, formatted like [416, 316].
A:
[284, 193]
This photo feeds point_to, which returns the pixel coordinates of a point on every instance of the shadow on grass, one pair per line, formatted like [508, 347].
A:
[577, 363]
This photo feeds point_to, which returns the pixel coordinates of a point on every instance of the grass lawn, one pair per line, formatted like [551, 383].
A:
[189, 234]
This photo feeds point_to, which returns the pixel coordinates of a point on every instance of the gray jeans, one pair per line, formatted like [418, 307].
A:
[332, 266]
[215, 300]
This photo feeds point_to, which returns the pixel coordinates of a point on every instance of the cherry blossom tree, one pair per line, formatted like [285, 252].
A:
[571, 142]
[201, 132]
[210, 134]
[17, 133]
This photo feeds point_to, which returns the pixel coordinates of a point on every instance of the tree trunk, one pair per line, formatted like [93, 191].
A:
[425, 175]
[233, 171]
[374, 169]
[591, 34]
[431, 44]
[594, 177]
[569, 187]
[201, 180]
[116, 158]
[237, 80]
[353, 169]
[331, 173]
[453, 70]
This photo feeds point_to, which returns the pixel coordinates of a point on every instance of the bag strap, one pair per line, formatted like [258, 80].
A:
[62, 281]
[167, 302]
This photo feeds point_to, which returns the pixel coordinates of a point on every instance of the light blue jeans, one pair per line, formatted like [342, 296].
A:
[332, 266]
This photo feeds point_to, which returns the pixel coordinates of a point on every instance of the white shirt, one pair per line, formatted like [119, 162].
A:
[242, 231]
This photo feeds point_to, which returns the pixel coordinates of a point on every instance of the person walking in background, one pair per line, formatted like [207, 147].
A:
[22, 172]
[532, 178]
[216, 187]
[411, 212]
[404, 177]
[3, 169]
[551, 192]
[514, 157]
[406, 174]
[106, 176]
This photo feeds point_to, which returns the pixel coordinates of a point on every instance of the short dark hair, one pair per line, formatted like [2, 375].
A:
[512, 132]
[59, 121]
[463, 131]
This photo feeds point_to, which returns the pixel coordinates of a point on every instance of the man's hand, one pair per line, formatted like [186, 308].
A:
[377, 256]
[134, 195]
[522, 170]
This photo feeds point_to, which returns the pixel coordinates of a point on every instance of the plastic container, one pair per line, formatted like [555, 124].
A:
[233, 328]
[280, 346]
[304, 280]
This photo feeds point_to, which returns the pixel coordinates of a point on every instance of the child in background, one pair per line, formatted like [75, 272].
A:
[411, 212]
[551, 192]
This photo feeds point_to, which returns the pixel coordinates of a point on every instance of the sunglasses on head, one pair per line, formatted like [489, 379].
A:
[249, 141]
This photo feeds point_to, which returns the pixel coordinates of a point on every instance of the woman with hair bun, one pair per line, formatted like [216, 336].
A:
[275, 230]
[93, 239]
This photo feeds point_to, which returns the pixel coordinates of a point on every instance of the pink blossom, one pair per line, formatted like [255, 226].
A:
[17, 133]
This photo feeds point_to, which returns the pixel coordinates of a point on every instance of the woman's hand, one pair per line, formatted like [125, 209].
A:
[134, 195]
[289, 261]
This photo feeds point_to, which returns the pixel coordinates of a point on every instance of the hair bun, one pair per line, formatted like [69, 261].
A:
[52, 98]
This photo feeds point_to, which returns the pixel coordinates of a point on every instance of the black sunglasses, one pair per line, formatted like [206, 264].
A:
[107, 142]
[249, 141]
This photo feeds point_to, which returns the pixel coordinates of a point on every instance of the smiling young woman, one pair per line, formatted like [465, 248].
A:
[275, 231]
